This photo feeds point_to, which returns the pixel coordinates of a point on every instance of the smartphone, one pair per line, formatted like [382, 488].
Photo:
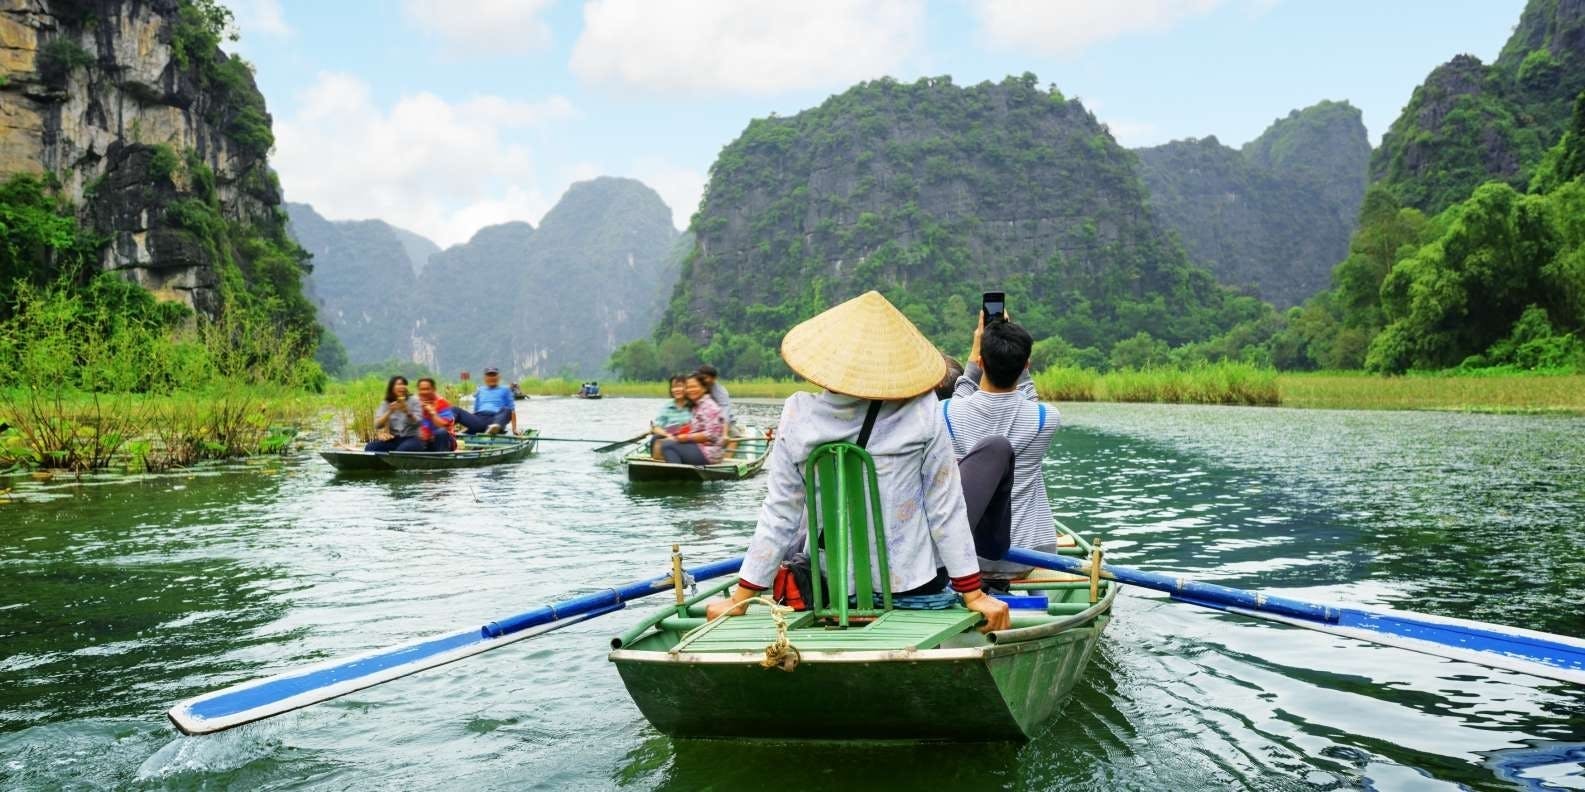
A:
[995, 305]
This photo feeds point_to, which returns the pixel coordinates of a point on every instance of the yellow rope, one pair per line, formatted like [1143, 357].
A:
[779, 653]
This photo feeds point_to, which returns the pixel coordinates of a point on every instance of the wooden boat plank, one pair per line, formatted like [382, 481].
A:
[894, 630]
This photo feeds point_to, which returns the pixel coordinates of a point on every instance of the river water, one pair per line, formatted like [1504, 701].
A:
[119, 597]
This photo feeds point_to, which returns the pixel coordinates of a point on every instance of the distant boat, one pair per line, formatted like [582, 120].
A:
[746, 456]
[472, 451]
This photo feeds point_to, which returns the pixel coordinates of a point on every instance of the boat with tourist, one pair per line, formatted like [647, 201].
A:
[844, 673]
[745, 457]
[472, 451]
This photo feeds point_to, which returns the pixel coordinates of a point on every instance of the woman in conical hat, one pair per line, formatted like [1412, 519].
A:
[876, 368]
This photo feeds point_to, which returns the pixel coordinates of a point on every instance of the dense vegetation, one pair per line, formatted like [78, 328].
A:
[931, 193]
[1470, 123]
[1497, 280]
[1275, 216]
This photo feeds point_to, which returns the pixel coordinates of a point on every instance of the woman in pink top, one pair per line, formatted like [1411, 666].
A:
[702, 442]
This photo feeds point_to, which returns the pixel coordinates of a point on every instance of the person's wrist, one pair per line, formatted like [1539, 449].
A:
[970, 597]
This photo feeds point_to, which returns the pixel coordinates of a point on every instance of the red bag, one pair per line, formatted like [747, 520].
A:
[786, 591]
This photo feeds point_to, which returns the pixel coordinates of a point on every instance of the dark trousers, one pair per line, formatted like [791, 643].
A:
[987, 474]
[476, 423]
[383, 446]
[683, 453]
[443, 441]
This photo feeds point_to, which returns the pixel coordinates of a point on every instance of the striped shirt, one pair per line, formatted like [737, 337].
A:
[973, 415]
[926, 522]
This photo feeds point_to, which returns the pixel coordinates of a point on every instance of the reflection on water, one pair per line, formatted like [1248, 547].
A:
[116, 599]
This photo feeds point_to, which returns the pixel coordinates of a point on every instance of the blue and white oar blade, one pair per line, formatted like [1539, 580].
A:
[1540, 654]
[300, 687]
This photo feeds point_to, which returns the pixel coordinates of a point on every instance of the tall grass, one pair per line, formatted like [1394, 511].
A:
[1067, 383]
[1211, 383]
[1485, 392]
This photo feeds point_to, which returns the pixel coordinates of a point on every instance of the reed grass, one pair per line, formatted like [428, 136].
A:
[80, 432]
[1503, 392]
[1210, 383]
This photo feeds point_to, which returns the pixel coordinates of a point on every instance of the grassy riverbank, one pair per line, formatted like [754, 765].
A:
[1227, 383]
[1507, 393]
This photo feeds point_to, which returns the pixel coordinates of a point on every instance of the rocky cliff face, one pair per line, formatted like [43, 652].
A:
[1274, 216]
[595, 271]
[132, 109]
[1469, 122]
[364, 285]
[933, 193]
[534, 302]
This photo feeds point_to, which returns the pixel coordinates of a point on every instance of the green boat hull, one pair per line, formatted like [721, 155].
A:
[963, 688]
[478, 451]
[970, 694]
[642, 468]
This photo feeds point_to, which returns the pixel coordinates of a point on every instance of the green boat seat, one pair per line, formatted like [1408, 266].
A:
[845, 525]
[893, 630]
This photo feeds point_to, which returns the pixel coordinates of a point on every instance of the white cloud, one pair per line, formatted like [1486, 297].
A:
[255, 20]
[440, 168]
[1063, 28]
[483, 27]
[757, 47]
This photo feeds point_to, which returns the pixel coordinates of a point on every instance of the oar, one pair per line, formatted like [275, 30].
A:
[618, 444]
[290, 690]
[1531, 652]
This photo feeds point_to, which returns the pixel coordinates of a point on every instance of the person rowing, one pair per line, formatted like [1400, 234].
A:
[878, 373]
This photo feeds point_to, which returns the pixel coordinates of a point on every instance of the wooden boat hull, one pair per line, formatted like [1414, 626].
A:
[693, 678]
[477, 451]
[1001, 692]
[641, 468]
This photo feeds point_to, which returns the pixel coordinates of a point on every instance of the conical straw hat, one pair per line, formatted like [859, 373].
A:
[864, 347]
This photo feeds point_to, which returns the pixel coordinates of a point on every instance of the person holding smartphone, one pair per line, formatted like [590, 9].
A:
[1000, 434]
[396, 419]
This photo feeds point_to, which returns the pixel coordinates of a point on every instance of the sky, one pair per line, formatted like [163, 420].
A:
[444, 116]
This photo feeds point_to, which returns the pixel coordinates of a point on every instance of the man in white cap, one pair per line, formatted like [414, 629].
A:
[877, 370]
[494, 407]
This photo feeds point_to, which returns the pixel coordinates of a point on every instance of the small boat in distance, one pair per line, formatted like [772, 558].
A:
[745, 457]
[588, 390]
[472, 451]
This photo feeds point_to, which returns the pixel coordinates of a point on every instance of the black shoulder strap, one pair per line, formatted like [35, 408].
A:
[869, 423]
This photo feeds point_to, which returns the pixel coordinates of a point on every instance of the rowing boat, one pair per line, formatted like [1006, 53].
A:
[472, 451]
[905, 675]
[878, 673]
[746, 457]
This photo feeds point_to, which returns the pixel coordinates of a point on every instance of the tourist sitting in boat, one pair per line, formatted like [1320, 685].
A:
[674, 417]
[494, 407]
[396, 419]
[1000, 434]
[434, 425]
[878, 372]
[711, 379]
[589, 390]
[702, 441]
